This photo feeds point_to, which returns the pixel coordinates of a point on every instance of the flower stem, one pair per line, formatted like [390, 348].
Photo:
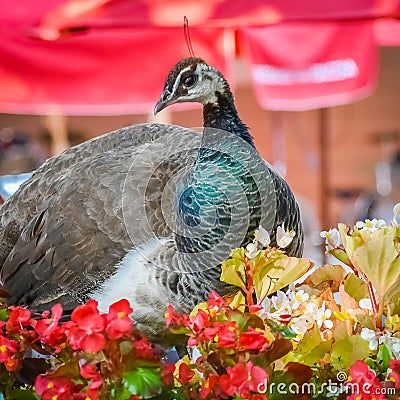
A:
[249, 285]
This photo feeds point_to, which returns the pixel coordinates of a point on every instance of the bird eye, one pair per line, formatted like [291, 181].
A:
[189, 80]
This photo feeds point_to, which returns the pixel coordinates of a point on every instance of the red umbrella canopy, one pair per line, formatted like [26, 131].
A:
[111, 56]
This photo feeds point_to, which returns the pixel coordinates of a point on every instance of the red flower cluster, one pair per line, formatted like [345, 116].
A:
[228, 345]
[8, 348]
[364, 383]
[49, 330]
[63, 389]
[86, 330]
[118, 321]
[84, 376]
[244, 379]
[87, 327]
[213, 325]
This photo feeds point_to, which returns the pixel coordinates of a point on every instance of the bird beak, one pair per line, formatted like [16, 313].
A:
[165, 101]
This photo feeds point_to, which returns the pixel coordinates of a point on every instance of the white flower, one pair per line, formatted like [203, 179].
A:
[393, 344]
[297, 298]
[311, 310]
[266, 307]
[284, 238]
[370, 336]
[299, 326]
[262, 236]
[371, 225]
[251, 250]
[277, 315]
[281, 302]
[396, 212]
[365, 304]
[332, 238]
[322, 317]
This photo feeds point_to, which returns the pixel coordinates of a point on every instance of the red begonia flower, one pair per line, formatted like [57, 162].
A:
[253, 340]
[86, 332]
[362, 375]
[167, 374]
[199, 321]
[226, 336]
[216, 301]
[185, 374]
[144, 349]
[91, 394]
[89, 371]
[247, 378]
[118, 321]
[18, 318]
[51, 389]
[11, 364]
[226, 385]
[394, 375]
[172, 317]
[7, 348]
[45, 327]
[208, 386]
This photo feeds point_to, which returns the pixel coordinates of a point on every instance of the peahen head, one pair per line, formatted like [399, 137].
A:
[193, 80]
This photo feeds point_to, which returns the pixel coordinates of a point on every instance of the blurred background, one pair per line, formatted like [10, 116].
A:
[318, 83]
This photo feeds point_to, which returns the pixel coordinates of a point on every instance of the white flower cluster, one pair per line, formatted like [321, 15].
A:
[371, 224]
[374, 339]
[295, 309]
[332, 237]
[263, 239]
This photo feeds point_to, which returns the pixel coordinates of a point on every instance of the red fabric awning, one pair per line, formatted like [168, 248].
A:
[101, 72]
[322, 65]
[78, 14]
[111, 56]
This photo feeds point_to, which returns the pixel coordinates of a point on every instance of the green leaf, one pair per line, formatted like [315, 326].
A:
[22, 394]
[383, 357]
[238, 301]
[394, 304]
[3, 314]
[285, 331]
[143, 382]
[233, 272]
[285, 271]
[125, 347]
[355, 287]
[244, 320]
[347, 351]
[312, 348]
[375, 254]
[318, 353]
[342, 256]
[311, 339]
[393, 323]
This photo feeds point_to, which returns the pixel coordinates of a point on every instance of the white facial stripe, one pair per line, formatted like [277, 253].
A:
[178, 79]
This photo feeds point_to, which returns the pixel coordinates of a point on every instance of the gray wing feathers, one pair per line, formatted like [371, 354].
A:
[74, 230]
